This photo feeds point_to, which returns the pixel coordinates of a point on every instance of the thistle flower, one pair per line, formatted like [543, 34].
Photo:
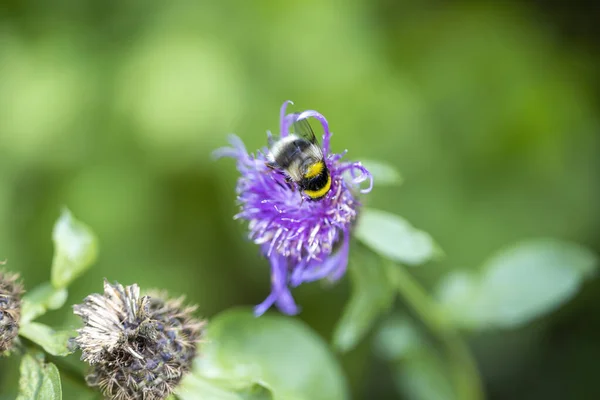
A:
[10, 309]
[139, 347]
[304, 240]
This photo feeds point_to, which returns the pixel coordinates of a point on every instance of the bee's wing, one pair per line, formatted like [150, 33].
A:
[303, 129]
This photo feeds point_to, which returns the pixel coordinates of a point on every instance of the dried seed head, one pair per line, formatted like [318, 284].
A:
[10, 309]
[139, 347]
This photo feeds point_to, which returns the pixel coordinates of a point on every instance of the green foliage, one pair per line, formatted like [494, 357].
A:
[194, 386]
[424, 373]
[383, 173]
[279, 353]
[39, 380]
[53, 342]
[373, 292]
[392, 237]
[75, 249]
[489, 113]
[517, 285]
[41, 299]
[397, 337]
[419, 370]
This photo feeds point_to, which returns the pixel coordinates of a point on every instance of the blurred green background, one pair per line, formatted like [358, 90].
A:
[489, 109]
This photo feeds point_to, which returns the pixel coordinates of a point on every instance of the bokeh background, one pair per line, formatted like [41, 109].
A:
[489, 109]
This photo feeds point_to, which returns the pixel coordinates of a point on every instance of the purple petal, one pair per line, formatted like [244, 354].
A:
[236, 151]
[286, 304]
[342, 264]
[334, 267]
[280, 294]
[284, 124]
[364, 175]
[222, 152]
[296, 278]
[315, 271]
[278, 273]
[265, 305]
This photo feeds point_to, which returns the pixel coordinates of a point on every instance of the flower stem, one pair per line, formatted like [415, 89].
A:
[466, 377]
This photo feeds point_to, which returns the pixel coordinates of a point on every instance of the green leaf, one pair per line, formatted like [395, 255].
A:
[75, 249]
[39, 380]
[424, 376]
[280, 353]
[256, 392]
[420, 371]
[458, 293]
[51, 385]
[41, 299]
[392, 237]
[397, 338]
[383, 174]
[373, 293]
[194, 387]
[518, 284]
[53, 342]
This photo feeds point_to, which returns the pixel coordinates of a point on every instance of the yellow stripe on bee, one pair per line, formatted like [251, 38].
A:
[314, 170]
[317, 194]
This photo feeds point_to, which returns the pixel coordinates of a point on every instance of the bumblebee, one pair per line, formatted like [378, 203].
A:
[300, 158]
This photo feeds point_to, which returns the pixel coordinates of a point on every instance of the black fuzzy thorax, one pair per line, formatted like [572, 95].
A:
[291, 153]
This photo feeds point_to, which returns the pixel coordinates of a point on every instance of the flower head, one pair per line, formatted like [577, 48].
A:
[139, 347]
[10, 309]
[304, 239]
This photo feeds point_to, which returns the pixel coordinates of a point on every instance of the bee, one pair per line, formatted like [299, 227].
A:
[300, 158]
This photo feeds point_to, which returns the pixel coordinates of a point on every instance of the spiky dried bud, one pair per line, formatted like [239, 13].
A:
[139, 347]
[10, 309]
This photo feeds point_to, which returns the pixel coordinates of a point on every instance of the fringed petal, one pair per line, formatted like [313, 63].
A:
[363, 175]
[285, 302]
[265, 305]
[280, 293]
[333, 267]
[342, 262]
[285, 120]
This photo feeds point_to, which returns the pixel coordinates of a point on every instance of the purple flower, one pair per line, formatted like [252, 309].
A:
[305, 240]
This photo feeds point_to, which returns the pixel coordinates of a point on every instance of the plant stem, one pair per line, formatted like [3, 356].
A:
[464, 368]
